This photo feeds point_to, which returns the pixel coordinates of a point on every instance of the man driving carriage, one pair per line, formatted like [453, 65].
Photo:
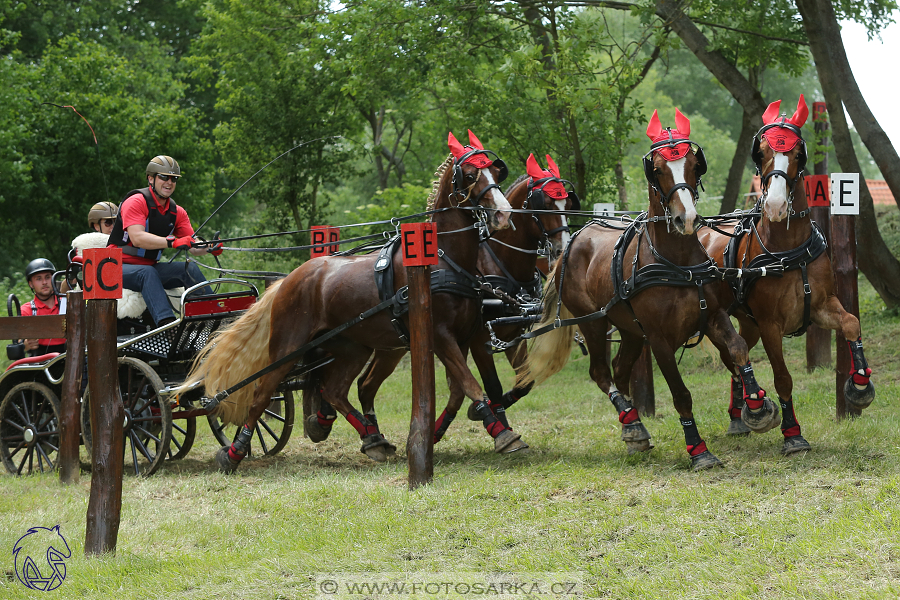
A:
[39, 275]
[148, 222]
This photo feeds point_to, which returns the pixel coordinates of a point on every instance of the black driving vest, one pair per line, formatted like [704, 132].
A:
[161, 224]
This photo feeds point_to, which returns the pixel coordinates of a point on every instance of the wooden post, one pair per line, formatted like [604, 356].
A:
[419, 252]
[843, 233]
[818, 341]
[107, 416]
[102, 285]
[70, 423]
[642, 393]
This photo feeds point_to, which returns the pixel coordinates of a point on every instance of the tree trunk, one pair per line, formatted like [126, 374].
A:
[376, 123]
[824, 35]
[738, 165]
[728, 75]
[622, 204]
[875, 260]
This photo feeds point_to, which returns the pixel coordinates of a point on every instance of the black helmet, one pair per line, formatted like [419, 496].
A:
[38, 265]
[163, 164]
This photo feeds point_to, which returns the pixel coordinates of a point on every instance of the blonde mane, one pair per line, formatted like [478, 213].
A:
[436, 184]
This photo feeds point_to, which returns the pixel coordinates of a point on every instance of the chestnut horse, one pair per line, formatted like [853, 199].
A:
[507, 262]
[783, 236]
[654, 281]
[339, 293]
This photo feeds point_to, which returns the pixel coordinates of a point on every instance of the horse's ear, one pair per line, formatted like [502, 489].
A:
[533, 168]
[771, 113]
[473, 141]
[455, 147]
[801, 113]
[553, 168]
[682, 123]
[655, 127]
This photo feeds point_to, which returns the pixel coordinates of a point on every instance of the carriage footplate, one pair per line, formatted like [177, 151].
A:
[377, 447]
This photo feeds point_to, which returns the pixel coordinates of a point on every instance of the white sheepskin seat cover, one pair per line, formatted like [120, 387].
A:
[131, 305]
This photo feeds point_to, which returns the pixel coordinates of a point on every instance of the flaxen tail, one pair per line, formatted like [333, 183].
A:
[234, 354]
[549, 352]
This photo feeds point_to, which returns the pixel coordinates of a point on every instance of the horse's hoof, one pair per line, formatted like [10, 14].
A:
[226, 465]
[858, 397]
[641, 446]
[705, 460]
[376, 447]
[315, 432]
[738, 428]
[506, 440]
[795, 444]
[635, 432]
[515, 447]
[472, 413]
[763, 419]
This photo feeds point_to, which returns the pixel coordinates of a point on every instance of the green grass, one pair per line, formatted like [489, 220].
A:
[822, 525]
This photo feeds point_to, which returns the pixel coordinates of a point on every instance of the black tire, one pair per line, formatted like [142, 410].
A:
[148, 422]
[29, 429]
[273, 430]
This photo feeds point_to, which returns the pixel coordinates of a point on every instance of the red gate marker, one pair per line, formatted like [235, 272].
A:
[420, 244]
[102, 273]
[323, 234]
[818, 191]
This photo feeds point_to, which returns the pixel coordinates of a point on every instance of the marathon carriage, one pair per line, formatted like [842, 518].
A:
[153, 362]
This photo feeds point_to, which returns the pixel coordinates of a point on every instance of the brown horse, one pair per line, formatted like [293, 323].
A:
[328, 293]
[507, 262]
[653, 281]
[784, 237]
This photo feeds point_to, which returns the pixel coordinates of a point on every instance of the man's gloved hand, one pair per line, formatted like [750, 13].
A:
[182, 243]
[216, 249]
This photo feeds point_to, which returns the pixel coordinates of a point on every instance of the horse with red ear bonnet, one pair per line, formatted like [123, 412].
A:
[326, 293]
[653, 282]
[786, 281]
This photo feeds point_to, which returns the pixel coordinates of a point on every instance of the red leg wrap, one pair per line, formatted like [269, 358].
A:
[698, 449]
[862, 379]
[234, 456]
[325, 420]
[363, 427]
[495, 429]
[627, 417]
[791, 432]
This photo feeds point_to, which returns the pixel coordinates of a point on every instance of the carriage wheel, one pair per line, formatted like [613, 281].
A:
[29, 429]
[148, 422]
[273, 430]
[183, 433]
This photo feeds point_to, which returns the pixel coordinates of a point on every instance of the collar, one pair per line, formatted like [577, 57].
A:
[38, 302]
[159, 206]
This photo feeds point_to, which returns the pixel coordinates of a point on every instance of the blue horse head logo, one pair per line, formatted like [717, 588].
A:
[40, 558]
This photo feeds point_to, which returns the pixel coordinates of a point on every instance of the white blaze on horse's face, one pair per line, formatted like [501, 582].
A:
[502, 210]
[564, 237]
[684, 223]
[776, 205]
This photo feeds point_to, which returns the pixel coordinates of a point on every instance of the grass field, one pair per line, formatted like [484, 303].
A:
[821, 525]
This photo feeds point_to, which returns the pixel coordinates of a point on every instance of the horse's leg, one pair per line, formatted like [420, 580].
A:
[759, 413]
[516, 357]
[367, 385]
[457, 395]
[228, 457]
[492, 386]
[450, 353]
[772, 336]
[859, 391]
[701, 457]
[750, 332]
[634, 434]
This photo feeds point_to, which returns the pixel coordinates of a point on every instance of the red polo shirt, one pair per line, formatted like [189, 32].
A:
[43, 309]
[134, 212]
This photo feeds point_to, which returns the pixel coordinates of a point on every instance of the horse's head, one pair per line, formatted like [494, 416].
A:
[673, 168]
[549, 198]
[780, 156]
[476, 180]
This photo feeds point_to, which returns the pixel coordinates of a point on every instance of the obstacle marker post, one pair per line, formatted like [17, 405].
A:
[420, 251]
[70, 423]
[102, 285]
[818, 197]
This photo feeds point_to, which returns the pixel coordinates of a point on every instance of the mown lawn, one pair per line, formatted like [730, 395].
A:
[822, 525]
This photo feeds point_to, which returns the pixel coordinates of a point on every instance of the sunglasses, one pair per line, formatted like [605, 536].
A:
[174, 178]
[109, 222]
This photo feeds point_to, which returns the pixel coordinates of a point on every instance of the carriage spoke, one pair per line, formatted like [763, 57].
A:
[262, 441]
[14, 424]
[134, 458]
[136, 441]
[41, 453]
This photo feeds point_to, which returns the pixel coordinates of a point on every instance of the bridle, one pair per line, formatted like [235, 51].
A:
[537, 197]
[465, 193]
[653, 180]
[756, 155]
